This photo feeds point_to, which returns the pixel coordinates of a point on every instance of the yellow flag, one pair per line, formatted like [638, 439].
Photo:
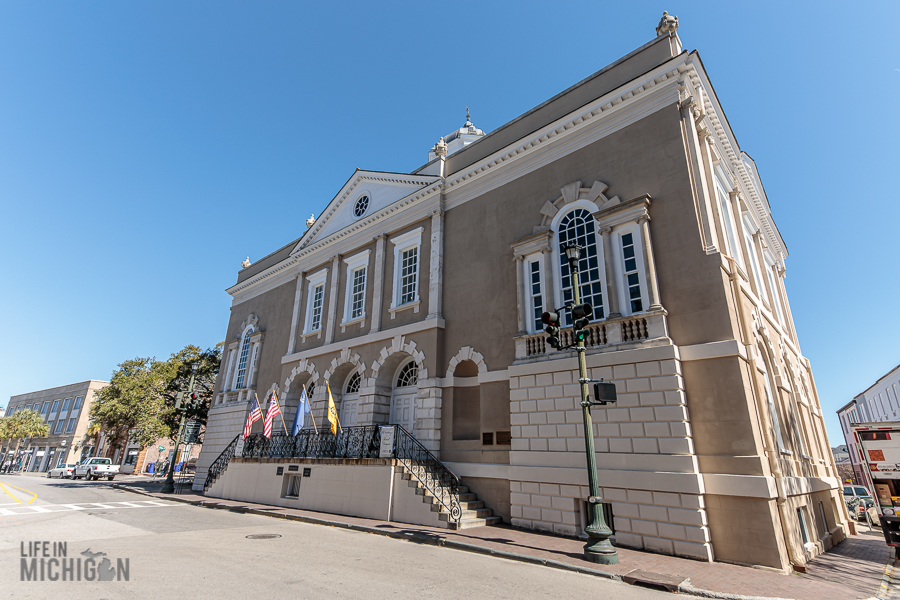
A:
[332, 412]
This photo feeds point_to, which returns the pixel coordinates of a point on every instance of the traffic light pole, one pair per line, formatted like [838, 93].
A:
[169, 486]
[598, 549]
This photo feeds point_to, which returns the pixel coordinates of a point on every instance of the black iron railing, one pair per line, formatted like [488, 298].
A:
[220, 464]
[424, 466]
[352, 442]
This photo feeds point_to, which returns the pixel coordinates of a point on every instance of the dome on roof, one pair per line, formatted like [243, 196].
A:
[458, 139]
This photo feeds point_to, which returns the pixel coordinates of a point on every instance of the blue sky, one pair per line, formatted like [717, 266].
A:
[146, 148]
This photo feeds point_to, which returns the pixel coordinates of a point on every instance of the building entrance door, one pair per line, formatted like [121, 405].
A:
[348, 409]
[403, 408]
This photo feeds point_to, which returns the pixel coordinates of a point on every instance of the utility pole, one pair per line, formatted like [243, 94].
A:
[598, 549]
[169, 486]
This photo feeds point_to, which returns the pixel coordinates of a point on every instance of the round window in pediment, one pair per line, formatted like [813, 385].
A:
[362, 205]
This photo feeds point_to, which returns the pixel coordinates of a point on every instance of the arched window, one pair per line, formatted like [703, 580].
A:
[408, 376]
[353, 384]
[310, 389]
[578, 227]
[243, 361]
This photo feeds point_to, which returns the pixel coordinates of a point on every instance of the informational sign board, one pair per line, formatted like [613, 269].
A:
[387, 442]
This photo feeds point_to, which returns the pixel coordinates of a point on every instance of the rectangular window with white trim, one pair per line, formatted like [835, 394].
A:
[723, 188]
[631, 273]
[406, 268]
[535, 293]
[751, 252]
[315, 301]
[355, 295]
[773, 287]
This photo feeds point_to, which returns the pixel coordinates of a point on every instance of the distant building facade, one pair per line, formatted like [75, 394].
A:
[416, 298]
[66, 410]
[878, 403]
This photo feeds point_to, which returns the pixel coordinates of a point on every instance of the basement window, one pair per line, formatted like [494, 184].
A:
[292, 486]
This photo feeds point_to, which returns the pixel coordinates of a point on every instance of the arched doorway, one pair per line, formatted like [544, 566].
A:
[350, 400]
[403, 396]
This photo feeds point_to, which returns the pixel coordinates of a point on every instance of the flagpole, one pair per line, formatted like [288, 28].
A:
[280, 414]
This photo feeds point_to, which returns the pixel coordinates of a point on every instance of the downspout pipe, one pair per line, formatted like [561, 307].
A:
[774, 466]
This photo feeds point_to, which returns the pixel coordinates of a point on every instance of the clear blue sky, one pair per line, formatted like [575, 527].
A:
[146, 148]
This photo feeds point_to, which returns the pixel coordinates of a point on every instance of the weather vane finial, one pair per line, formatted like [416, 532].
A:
[468, 118]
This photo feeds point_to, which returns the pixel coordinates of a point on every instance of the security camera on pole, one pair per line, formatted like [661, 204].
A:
[169, 486]
[598, 549]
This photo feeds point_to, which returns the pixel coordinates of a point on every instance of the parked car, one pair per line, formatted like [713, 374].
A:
[62, 471]
[855, 490]
[95, 468]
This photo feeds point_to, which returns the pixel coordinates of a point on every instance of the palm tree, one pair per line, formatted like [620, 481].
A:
[24, 424]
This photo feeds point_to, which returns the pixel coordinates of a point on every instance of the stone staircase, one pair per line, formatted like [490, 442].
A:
[473, 511]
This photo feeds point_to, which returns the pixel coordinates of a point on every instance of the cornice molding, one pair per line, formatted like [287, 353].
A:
[615, 110]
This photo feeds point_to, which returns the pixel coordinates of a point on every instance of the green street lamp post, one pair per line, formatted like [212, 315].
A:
[598, 548]
[169, 486]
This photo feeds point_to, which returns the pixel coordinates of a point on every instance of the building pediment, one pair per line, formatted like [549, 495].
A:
[365, 194]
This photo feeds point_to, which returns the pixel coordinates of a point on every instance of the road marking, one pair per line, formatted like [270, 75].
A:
[26, 491]
[59, 508]
[9, 494]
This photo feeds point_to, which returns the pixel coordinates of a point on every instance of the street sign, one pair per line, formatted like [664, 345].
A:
[191, 432]
[160, 448]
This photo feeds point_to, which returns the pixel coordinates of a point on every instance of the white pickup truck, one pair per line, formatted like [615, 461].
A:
[95, 468]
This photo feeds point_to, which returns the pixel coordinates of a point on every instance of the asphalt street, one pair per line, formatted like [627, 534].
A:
[174, 549]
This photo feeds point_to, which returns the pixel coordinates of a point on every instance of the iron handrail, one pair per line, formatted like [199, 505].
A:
[220, 464]
[440, 481]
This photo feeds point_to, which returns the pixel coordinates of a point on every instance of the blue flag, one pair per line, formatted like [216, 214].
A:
[303, 409]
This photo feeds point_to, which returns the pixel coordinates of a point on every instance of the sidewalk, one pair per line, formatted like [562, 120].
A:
[853, 569]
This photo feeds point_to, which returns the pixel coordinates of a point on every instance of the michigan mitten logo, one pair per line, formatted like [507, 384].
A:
[50, 561]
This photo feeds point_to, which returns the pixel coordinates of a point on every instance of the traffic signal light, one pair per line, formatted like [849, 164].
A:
[551, 320]
[581, 317]
[194, 401]
[179, 397]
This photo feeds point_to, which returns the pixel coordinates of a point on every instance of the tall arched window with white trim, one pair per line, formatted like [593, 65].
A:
[241, 376]
[579, 227]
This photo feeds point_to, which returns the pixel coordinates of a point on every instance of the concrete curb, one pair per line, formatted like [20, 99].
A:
[419, 538]
[887, 579]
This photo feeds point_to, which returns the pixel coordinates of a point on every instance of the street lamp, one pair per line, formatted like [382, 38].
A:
[169, 486]
[598, 548]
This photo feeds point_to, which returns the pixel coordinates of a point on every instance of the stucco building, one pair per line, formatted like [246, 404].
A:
[66, 410]
[417, 298]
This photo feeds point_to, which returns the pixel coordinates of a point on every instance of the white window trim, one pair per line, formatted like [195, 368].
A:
[773, 285]
[537, 257]
[244, 339]
[619, 262]
[728, 223]
[601, 257]
[312, 282]
[354, 264]
[750, 230]
[410, 239]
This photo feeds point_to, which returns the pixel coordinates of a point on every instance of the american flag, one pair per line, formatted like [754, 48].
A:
[271, 414]
[254, 416]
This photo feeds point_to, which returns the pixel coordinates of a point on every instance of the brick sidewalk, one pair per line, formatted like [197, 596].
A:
[853, 569]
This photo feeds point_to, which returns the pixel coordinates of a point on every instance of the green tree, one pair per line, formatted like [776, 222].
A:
[23, 424]
[132, 405]
[139, 402]
[204, 383]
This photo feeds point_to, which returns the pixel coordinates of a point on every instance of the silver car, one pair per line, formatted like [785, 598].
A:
[61, 471]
